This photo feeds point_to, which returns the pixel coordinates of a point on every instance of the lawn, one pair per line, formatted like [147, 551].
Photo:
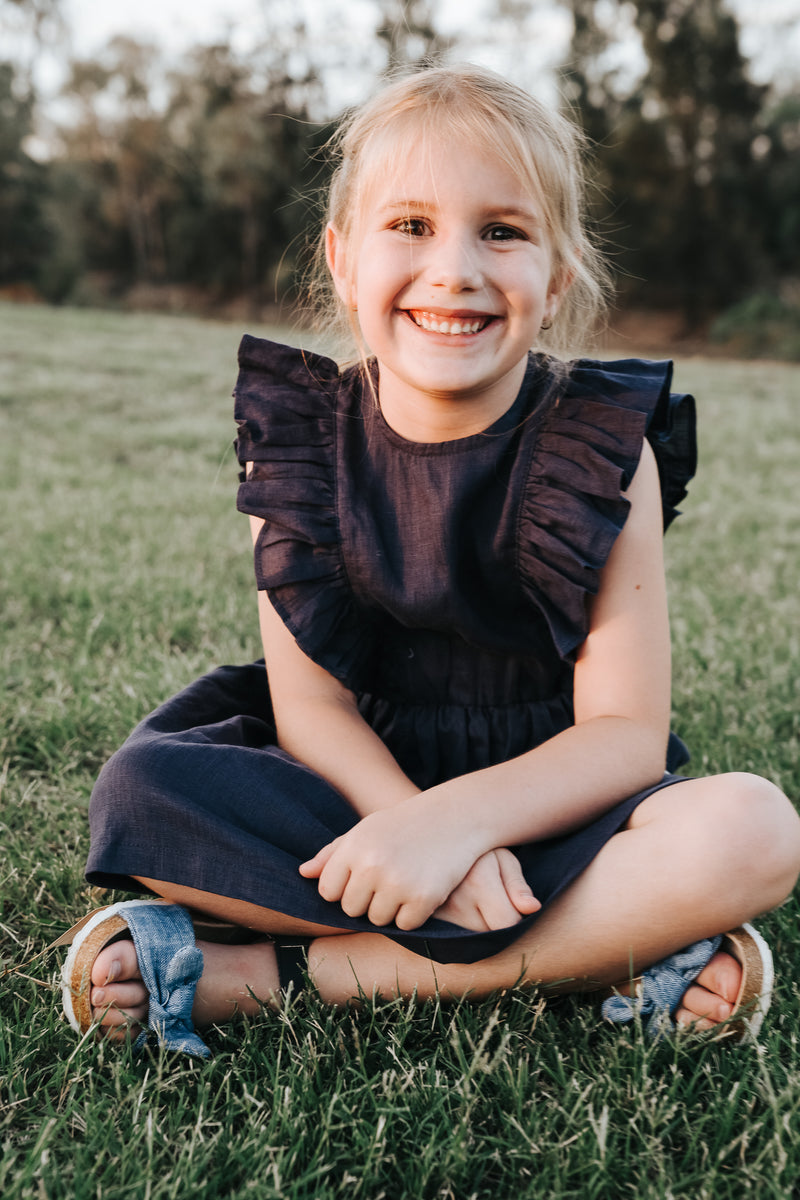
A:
[125, 573]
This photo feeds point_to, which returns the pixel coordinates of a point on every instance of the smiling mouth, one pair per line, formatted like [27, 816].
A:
[435, 323]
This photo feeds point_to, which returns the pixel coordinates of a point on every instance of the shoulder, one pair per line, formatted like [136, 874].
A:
[584, 475]
[645, 387]
[286, 402]
[281, 395]
[613, 406]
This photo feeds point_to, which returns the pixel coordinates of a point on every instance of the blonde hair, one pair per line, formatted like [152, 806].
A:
[474, 106]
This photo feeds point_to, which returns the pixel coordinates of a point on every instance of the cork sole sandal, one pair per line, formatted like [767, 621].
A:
[754, 997]
[748, 947]
[169, 962]
[86, 939]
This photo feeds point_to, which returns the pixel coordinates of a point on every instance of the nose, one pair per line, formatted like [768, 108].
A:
[454, 263]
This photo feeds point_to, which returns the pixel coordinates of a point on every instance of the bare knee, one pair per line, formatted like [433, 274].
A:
[762, 832]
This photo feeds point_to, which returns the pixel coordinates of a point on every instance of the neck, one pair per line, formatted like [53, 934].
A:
[426, 417]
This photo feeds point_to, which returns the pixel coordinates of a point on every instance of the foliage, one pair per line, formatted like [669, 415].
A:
[686, 163]
[127, 572]
[24, 240]
[409, 34]
[203, 190]
[762, 326]
[779, 145]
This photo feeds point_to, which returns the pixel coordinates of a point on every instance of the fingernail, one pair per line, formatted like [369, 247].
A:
[115, 970]
[98, 996]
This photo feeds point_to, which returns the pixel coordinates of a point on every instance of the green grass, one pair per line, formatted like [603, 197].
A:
[125, 573]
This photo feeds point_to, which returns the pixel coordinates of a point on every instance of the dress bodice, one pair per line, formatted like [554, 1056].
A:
[453, 577]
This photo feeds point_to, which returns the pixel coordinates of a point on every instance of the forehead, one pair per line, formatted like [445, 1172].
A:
[435, 170]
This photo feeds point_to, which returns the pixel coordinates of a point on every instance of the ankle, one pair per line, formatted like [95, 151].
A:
[236, 981]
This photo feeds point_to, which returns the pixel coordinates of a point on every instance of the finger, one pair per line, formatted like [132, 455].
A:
[356, 897]
[516, 886]
[382, 910]
[334, 879]
[314, 867]
[412, 915]
[498, 912]
[467, 916]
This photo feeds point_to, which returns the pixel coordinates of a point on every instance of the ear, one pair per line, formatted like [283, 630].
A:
[560, 284]
[335, 254]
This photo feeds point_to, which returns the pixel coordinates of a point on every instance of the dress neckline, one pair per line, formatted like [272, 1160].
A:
[497, 429]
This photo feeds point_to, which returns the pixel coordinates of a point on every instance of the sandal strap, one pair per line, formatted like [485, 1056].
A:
[291, 956]
[661, 988]
[171, 965]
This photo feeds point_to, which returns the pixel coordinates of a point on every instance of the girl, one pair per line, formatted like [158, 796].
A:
[452, 774]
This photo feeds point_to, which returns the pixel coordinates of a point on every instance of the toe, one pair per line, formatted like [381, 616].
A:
[686, 1019]
[700, 1004]
[116, 963]
[119, 998]
[711, 998]
[124, 996]
[107, 1016]
[722, 976]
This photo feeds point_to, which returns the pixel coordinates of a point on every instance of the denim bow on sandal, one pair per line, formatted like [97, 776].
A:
[170, 965]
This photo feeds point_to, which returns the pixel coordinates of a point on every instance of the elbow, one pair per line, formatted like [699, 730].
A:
[654, 750]
[645, 748]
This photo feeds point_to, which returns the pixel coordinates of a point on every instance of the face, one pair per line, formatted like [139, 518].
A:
[452, 277]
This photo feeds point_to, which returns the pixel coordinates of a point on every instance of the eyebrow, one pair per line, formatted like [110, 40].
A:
[512, 211]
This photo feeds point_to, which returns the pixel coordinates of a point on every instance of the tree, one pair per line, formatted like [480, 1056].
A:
[676, 152]
[408, 33]
[26, 27]
[243, 146]
[24, 236]
[778, 153]
[116, 145]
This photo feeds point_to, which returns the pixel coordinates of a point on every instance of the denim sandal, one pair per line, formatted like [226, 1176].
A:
[657, 993]
[169, 961]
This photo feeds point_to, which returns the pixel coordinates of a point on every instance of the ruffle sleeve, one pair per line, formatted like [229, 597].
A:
[585, 455]
[285, 402]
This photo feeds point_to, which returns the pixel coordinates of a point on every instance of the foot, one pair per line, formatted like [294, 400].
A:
[711, 998]
[232, 977]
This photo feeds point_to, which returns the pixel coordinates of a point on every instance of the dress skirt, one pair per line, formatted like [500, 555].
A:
[201, 795]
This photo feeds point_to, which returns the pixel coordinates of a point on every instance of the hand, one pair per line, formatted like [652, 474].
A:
[492, 895]
[398, 864]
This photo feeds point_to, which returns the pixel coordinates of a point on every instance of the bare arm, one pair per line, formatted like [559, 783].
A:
[318, 721]
[621, 694]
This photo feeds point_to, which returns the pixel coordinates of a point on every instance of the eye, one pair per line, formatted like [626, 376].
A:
[412, 226]
[504, 233]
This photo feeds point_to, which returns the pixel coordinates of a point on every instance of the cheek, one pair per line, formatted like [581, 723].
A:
[376, 283]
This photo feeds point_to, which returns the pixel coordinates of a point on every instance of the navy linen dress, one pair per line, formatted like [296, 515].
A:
[445, 584]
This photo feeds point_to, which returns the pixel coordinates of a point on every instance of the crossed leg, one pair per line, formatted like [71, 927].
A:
[694, 860]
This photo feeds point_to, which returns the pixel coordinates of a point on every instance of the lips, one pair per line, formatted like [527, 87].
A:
[453, 325]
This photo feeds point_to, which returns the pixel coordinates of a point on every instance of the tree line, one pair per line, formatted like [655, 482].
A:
[206, 174]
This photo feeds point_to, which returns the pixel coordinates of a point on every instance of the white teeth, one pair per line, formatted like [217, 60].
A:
[436, 324]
